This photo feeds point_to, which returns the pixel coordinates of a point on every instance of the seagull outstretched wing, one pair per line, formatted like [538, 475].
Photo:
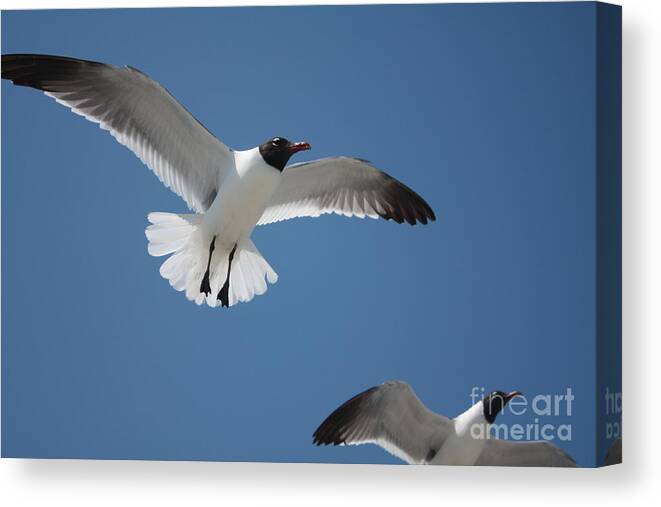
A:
[391, 416]
[346, 186]
[139, 113]
[523, 454]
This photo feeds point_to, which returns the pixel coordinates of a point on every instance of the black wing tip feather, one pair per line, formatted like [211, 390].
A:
[331, 431]
[397, 201]
[42, 71]
[402, 204]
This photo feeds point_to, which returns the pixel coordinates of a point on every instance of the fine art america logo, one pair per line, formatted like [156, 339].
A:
[543, 406]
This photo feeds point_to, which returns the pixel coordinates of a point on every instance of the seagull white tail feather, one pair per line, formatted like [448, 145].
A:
[178, 235]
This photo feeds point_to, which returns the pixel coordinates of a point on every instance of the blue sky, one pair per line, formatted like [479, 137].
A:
[486, 111]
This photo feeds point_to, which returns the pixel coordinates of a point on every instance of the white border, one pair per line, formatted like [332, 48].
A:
[119, 483]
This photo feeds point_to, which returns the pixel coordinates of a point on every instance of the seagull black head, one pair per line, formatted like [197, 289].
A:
[277, 151]
[493, 404]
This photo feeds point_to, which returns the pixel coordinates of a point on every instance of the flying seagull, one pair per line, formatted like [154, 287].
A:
[212, 257]
[392, 416]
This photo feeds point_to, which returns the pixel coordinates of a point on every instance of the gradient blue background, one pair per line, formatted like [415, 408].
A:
[487, 111]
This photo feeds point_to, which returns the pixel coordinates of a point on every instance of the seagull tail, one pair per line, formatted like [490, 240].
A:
[249, 275]
[177, 235]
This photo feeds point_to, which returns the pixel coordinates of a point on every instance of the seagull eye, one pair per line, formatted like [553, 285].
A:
[277, 141]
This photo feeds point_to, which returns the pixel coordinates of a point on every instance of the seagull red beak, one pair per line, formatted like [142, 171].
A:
[296, 147]
[513, 394]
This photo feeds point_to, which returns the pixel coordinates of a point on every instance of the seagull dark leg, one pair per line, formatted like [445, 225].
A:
[205, 286]
[223, 295]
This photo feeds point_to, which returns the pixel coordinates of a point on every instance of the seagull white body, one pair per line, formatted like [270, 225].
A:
[211, 256]
[463, 444]
[392, 416]
[243, 196]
